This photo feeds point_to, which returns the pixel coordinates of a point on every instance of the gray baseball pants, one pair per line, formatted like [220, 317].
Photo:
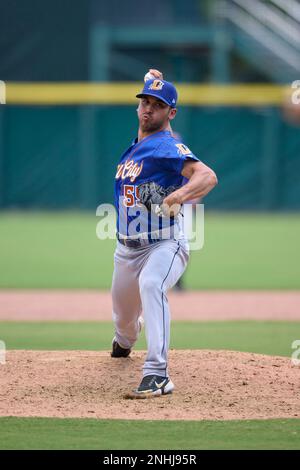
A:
[141, 279]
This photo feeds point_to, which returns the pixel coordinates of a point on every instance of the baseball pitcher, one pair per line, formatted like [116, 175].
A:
[152, 251]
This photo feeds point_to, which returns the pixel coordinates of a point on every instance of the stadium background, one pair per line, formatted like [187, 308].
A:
[71, 71]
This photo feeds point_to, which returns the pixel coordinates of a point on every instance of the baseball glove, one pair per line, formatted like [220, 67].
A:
[152, 195]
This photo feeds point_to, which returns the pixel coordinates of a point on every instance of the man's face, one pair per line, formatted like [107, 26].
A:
[154, 114]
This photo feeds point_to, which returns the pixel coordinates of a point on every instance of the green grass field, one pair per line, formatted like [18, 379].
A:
[274, 338]
[61, 250]
[46, 433]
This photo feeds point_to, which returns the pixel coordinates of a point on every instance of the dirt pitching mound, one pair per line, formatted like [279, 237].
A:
[209, 385]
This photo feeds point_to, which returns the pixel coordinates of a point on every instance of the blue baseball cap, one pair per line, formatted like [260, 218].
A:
[161, 89]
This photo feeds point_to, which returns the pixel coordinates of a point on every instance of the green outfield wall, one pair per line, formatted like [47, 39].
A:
[65, 156]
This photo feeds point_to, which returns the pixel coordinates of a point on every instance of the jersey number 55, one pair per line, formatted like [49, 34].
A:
[130, 195]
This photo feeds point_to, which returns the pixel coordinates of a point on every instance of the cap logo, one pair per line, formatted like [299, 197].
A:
[156, 85]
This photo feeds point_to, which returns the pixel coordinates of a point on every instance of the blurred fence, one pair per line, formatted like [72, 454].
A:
[65, 155]
[196, 41]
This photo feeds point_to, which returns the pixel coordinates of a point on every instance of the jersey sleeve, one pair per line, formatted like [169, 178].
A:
[173, 155]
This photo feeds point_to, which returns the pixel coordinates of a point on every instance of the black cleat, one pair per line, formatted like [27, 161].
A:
[152, 386]
[117, 351]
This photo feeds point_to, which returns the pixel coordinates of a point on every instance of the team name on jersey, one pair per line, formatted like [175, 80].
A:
[129, 169]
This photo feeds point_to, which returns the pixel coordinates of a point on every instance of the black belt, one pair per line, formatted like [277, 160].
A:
[136, 243]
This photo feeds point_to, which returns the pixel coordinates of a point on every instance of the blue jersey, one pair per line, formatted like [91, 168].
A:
[160, 158]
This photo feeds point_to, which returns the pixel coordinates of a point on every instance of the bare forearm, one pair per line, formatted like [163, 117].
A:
[199, 184]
